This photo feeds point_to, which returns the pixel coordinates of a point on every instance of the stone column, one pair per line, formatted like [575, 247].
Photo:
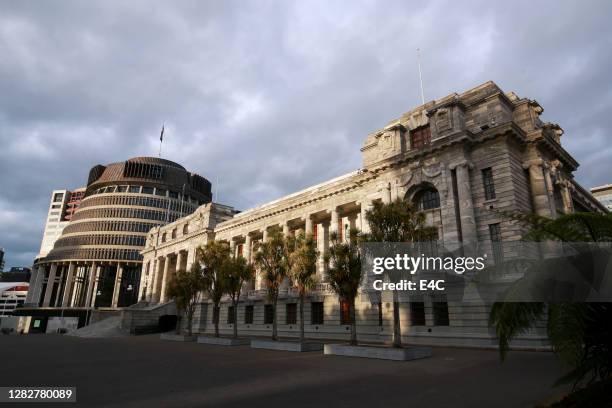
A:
[364, 207]
[247, 247]
[539, 192]
[265, 234]
[386, 197]
[61, 284]
[144, 278]
[68, 285]
[322, 244]
[180, 256]
[117, 287]
[550, 190]
[156, 280]
[308, 225]
[466, 205]
[50, 285]
[333, 224]
[165, 280]
[285, 229]
[191, 257]
[90, 283]
[95, 289]
[232, 245]
[32, 285]
[568, 205]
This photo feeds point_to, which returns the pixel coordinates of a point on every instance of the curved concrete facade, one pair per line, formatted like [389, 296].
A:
[96, 261]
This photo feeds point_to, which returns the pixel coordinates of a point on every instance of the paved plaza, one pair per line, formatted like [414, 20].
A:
[147, 372]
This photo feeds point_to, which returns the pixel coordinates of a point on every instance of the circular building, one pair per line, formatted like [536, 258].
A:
[96, 262]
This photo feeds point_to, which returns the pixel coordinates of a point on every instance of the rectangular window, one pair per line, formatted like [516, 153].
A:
[268, 314]
[173, 194]
[487, 182]
[248, 314]
[420, 137]
[147, 190]
[380, 314]
[121, 189]
[315, 232]
[134, 189]
[160, 192]
[345, 312]
[316, 313]
[440, 313]
[291, 313]
[58, 197]
[496, 242]
[417, 313]
[230, 315]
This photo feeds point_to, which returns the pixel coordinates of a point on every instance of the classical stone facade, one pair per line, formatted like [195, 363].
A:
[464, 159]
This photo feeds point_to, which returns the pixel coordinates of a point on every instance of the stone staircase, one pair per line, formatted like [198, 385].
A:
[143, 317]
[108, 327]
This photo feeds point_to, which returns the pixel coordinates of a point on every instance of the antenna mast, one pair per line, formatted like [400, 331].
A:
[418, 50]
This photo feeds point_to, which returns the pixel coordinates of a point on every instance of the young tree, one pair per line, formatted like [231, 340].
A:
[397, 221]
[185, 289]
[345, 273]
[212, 256]
[271, 257]
[235, 272]
[303, 261]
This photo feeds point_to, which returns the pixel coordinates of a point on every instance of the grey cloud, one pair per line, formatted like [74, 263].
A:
[267, 96]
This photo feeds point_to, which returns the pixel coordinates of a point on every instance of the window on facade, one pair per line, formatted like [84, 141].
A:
[291, 313]
[173, 194]
[230, 315]
[134, 189]
[163, 237]
[380, 313]
[417, 313]
[440, 313]
[487, 182]
[121, 189]
[174, 233]
[185, 229]
[420, 137]
[160, 192]
[147, 190]
[268, 314]
[58, 197]
[345, 312]
[315, 232]
[428, 199]
[248, 314]
[316, 313]
[496, 242]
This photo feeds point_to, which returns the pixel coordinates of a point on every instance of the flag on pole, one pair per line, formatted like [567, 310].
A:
[161, 136]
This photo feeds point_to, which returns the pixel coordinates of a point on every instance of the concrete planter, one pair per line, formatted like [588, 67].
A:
[384, 353]
[177, 337]
[286, 345]
[223, 341]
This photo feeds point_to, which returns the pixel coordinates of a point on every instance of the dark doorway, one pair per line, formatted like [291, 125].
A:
[106, 285]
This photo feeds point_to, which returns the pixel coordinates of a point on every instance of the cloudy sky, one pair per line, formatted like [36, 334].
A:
[267, 97]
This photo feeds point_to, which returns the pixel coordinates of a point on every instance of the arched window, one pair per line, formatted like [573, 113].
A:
[427, 199]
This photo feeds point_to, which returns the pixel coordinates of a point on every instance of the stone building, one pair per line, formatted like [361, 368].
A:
[464, 159]
[96, 261]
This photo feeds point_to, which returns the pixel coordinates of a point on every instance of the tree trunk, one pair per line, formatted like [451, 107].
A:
[216, 313]
[274, 328]
[189, 323]
[353, 323]
[178, 324]
[397, 330]
[301, 318]
[235, 319]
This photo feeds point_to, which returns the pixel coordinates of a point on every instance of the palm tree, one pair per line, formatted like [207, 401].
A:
[186, 288]
[303, 260]
[345, 273]
[577, 331]
[235, 272]
[271, 258]
[213, 255]
[397, 221]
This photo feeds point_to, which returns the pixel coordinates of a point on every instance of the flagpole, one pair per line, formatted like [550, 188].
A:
[161, 139]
